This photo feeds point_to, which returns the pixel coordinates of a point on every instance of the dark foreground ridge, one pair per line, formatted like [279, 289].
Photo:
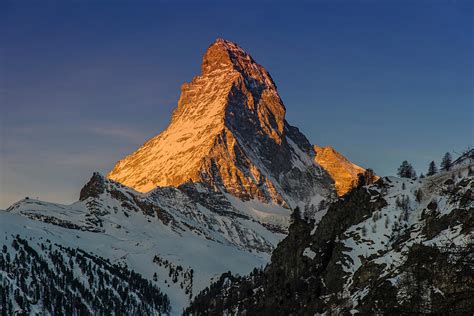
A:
[360, 260]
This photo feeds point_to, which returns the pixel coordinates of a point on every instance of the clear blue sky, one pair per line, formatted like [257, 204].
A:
[84, 84]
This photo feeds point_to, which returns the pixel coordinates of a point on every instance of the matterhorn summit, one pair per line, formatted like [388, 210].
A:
[229, 131]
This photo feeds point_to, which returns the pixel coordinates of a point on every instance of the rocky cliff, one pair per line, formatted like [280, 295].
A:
[399, 246]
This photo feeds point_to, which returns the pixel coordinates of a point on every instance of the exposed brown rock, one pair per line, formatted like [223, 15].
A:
[344, 173]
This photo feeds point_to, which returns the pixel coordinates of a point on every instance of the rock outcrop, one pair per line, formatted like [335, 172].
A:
[344, 173]
[388, 248]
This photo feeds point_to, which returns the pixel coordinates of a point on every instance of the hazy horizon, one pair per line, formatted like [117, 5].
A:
[85, 84]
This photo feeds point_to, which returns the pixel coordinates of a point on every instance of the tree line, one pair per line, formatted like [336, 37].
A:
[55, 280]
[406, 170]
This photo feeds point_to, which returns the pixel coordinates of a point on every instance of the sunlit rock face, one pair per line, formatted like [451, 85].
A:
[344, 173]
[229, 131]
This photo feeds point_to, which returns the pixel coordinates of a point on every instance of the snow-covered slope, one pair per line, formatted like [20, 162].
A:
[38, 276]
[188, 227]
[437, 212]
[399, 246]
[229, 131]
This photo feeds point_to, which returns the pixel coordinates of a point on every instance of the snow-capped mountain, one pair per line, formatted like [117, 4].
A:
[229, 131]
[184, 235]
[212, 193]
[399, 246]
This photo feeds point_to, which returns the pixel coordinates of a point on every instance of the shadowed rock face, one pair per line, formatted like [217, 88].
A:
[229, 131]
[368, 255]
[93, 188]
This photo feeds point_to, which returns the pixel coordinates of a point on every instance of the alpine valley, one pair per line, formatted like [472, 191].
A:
[231, 210]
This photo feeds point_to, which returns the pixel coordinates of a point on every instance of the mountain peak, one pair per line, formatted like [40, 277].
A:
[218, 56]
[94, 187]
[327, 151]
[224, 55]
[225, 45]
[228, 131]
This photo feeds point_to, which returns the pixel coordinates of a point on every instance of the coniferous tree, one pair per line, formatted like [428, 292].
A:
[322, 205]
[432, 169]
[406, 170]
[361, 181]
[419, 195]
[369, 175]
[296, 215]
[446, 162]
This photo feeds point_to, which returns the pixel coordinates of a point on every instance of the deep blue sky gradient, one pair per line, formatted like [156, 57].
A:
[83, 84]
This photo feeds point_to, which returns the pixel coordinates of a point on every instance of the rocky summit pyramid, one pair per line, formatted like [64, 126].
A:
[229, 131]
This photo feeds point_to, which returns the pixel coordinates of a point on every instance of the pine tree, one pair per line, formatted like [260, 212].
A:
[406, 170]
[296, 215]
[322, 205]
[419, 195]
[446, 162]
[432, 169]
